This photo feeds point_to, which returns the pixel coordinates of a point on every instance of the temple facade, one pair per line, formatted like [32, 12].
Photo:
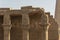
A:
[28, 23]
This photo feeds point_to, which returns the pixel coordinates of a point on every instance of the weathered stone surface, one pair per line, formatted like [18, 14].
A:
[53, 29]
[27, 24]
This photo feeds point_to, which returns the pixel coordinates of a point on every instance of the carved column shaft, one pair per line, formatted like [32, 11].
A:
[43, 36]
[6, 32]
[44, 24]
[48, 25]
[25, 26]
[46, 34]
[6, 26]
[25, 35]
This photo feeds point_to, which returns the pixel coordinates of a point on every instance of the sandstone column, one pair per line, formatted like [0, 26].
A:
[47, 32]
[25, 26]
[6, 32]
[48, 24]
[6, 26]
[43, 34]
[57, 15]
[44, 24]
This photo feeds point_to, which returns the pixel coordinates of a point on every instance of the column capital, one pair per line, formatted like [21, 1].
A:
[44, 26]
[6, 26]
[25, 27]
[6, 29]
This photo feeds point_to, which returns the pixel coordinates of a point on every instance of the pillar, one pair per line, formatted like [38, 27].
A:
[48, 25]
[43, 34]
[6, 26]
[6, 29]
[46, 34]
[25, 34]
[57, 16]
[25, 26]
[45, 25]
[47, 29]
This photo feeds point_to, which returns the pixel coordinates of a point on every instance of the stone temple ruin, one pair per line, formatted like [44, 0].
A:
[27, 24]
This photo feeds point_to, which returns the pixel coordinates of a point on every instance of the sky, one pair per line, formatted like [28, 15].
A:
[48, 5]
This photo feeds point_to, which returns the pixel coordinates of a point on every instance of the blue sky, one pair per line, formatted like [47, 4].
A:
[48, 5]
